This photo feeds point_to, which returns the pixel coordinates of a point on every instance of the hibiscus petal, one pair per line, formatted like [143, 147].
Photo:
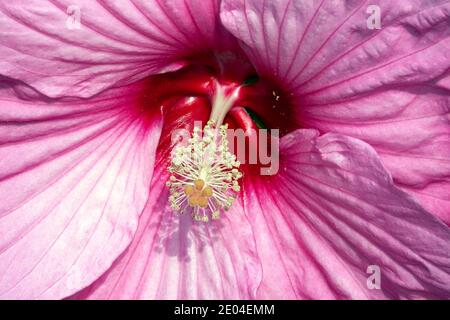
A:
[387, 86]
[326, 49]
[173, 257]
[331, 214]
[74, 177]
[117, 43]
[410, 131]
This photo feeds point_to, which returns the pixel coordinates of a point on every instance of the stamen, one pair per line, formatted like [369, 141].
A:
[204, 174]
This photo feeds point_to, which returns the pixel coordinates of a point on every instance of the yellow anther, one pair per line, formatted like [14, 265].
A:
[199, 184]
[202, 202]
[189, 190]
[193, 201]
[207, 192]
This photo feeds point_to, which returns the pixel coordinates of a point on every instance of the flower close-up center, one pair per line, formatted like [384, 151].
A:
[224, 149]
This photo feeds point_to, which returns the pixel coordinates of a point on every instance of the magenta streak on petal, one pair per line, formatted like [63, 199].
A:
[282, 24]
[340, 57]
[322, 46]
[298, 46]
[356, 76]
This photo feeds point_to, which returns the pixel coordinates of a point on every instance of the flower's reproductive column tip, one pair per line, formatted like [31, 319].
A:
[204, 174]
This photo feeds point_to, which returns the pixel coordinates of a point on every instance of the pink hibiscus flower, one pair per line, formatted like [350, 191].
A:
[91, 93]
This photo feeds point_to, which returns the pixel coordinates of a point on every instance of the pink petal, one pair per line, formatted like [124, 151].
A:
[173, 257]
[326, 48]
[74, 178]
[410, 131]
[330, 214]
[118, 42]
[388, 87]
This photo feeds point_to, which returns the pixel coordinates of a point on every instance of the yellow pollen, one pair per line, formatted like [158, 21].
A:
[207, 192]
[193, 201]
[199, 184]
[189, 190]
[202, 202]
[198, 195]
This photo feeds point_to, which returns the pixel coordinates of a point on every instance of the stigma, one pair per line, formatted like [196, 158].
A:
[204, 174]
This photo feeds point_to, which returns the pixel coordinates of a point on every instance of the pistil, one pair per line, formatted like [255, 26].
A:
[204, 173]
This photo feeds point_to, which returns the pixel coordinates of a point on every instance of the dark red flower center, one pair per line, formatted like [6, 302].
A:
[185, 96]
